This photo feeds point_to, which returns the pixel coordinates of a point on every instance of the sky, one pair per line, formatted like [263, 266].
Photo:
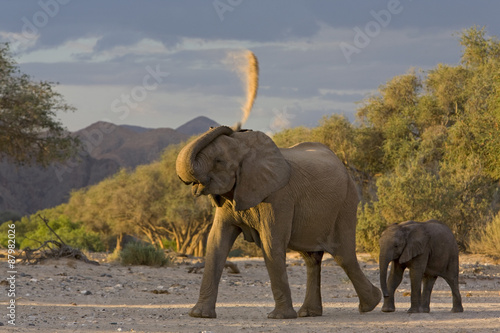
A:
[162, 63]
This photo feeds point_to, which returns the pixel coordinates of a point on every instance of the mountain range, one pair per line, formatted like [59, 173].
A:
[106, 149]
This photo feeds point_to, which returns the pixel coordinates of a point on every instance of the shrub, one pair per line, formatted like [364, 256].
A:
[139, 253]
[369, 228]
[32, 232]
[488, 240]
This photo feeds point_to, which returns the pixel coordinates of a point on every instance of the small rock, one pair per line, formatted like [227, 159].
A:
[86, 292]
[161, 291]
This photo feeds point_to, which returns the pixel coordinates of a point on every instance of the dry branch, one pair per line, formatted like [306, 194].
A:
[59, 249]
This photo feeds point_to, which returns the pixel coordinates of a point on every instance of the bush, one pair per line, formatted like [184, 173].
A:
[369, 228]
[31, 232]
[138, 253]
[488, 240]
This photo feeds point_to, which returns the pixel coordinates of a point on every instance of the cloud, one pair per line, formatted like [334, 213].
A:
[108, 44]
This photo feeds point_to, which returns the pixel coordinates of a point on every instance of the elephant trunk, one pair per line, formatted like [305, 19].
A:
[383, 265]
[186, 165]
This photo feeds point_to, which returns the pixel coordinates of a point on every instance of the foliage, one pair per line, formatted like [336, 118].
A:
[487, 241]
[441, 143]
[138, 253]
[32, 232]
[291, 136]
[29, 130]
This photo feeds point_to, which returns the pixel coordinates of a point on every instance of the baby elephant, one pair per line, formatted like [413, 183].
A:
[429, 250]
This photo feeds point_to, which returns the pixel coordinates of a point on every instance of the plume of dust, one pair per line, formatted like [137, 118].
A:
[246, 65]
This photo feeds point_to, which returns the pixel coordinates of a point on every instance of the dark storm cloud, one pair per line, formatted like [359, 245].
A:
[125, 21]
[120, 22]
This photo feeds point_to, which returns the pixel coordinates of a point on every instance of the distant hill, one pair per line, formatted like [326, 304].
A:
[197, 125]
[25, 190]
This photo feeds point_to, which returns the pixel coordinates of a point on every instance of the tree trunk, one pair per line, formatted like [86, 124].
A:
[119, 240]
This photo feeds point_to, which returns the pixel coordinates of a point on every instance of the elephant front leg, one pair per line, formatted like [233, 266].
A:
[312, 306]
[416, 291]
[276, 266]
[394, 280]
[220, 240]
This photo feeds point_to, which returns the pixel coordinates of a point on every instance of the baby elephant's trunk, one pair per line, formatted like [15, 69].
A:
[383, 265]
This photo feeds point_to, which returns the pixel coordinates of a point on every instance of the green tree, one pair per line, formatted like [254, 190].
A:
[291, 136]
[29, 129]
[438, 145]
[338, 134]
[31, 231]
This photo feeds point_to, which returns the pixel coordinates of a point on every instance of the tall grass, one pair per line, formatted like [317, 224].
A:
[488, 240]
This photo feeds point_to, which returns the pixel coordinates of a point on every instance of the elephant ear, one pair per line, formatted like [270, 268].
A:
[416, 243]
[263, 170]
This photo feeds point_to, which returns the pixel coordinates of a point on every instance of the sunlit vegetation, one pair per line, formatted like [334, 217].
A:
[29, 129]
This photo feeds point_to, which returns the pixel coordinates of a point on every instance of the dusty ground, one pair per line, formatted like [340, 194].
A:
[71, 296]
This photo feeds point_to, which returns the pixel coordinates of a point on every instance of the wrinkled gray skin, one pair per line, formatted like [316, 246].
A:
[299, 198]
[429, 250]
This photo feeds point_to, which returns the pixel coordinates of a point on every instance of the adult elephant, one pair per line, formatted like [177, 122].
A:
[429, 250]
[300, 198]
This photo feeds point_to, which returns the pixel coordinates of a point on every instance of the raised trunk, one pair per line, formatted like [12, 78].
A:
[186, 165]
[383, 265]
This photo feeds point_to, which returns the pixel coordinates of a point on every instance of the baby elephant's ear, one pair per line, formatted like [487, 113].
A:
[263, 170]
[416, 244]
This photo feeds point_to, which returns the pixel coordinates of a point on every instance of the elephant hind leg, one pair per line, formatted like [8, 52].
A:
[369, 295]
[344, 252]
[312, 306]
[455, 292]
